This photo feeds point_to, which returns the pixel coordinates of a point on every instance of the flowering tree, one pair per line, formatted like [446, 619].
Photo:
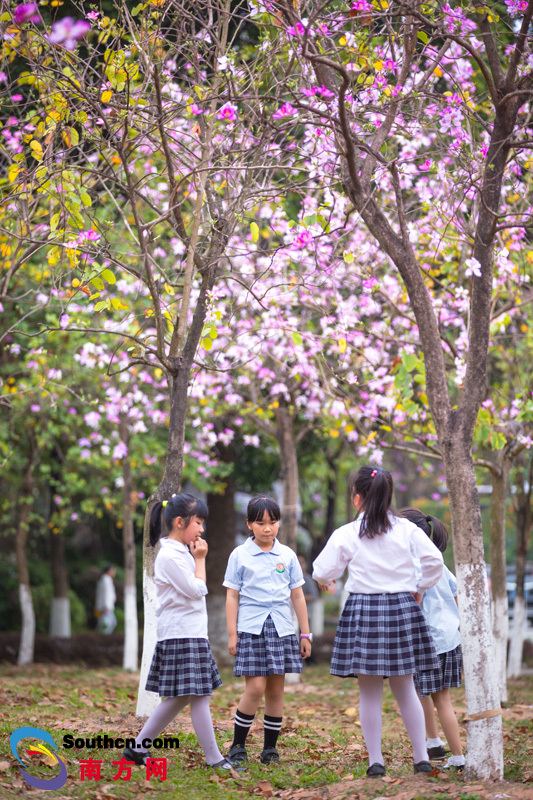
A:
[147, 138]
[429, 113]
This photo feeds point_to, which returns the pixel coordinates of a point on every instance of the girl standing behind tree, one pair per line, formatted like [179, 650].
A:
[382, 631]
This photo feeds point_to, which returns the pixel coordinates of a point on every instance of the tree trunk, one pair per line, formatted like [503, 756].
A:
[27, 636]
[60, 611]
[289, 467]
[523, 531]
[220, 535]
[131, 625]
[500, 611]
[170, 484]
[331, 496]
[484, 721]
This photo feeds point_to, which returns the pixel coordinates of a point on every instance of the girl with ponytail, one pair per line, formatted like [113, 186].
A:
[382, 631]
[183, 671]
[439, 605]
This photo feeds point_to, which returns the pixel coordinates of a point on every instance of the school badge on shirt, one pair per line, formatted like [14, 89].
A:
[280, 567]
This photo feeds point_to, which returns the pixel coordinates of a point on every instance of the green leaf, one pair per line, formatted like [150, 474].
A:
[254, 229]
[108, 276]
[297, 338]
[54, 221]
[207, 344]
[118, 305]
[410, 361]
[97, 283]
[423, 37]
[101, 305]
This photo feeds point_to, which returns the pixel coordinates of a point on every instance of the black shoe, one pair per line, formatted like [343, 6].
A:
[423, 766]
[237, 754]
[226, 766]
[270, 756]
[437, 752]
[138, 756]
[376, 770]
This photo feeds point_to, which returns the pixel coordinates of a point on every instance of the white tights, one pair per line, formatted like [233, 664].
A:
[370, 694]
[200, 718]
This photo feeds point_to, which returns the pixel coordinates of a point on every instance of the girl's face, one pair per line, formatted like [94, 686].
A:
[188, 535]
[357, 501]
[264, 531]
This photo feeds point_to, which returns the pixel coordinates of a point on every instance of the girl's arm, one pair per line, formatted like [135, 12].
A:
[300, 607]
[199, 551]
[232, 612]
[332, 561]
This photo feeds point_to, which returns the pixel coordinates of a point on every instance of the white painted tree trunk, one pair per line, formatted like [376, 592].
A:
[484, 756]
[148, 701]
[518, 629]
[500, 630]
[317, 616]
[27, 636]
[131, 630]
[60, 617]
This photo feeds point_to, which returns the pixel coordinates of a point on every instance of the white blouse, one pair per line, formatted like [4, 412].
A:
[382, 565]
[181, 611]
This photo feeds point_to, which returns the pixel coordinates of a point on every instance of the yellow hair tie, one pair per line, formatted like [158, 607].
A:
[164, 503]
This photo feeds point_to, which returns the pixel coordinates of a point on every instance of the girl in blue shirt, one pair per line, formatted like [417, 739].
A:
[440, 609]
[262, 577]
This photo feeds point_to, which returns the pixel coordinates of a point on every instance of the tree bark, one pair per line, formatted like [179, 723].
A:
[220, 535]
[474, 610]
[131, 625]
[27, 636]
[523, 532]
[60, 610]
[289, 467]
[500, 611]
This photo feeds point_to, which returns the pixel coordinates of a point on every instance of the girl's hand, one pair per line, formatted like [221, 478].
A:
[305, 648]
[417, 596]
[232, 644]
[199, 548]
[328, 587]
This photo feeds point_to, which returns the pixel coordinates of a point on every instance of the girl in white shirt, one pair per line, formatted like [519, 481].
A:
[440, 609]
[183, 670]
[382, 631]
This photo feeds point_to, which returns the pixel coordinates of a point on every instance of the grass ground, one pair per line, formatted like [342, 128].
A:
[322, 749]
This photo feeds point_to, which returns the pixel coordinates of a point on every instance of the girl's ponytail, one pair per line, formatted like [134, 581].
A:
[374, 486]
[156, 527]
[432, 526]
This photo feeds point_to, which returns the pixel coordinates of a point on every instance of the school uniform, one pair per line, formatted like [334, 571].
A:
[440, 610]
[182, 663]
[267, 644]
[382, 630]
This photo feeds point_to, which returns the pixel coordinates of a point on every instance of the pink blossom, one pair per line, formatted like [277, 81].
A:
[195, 109]
[473, 267]
[516, 7]
[426, 166]
[67, 32]
[92, 419]
[89, 236]
[296, 30]
[74, 516]
[286, 110]
[120, 450]
[16, 98]
[63, 321]
[93, 15]
[27, 12]
[227, 112]
[35, 408]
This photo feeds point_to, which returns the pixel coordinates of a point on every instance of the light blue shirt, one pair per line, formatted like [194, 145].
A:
[442, 616]
[264, 582]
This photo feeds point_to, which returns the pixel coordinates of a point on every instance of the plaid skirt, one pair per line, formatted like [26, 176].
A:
[183, 666]
[382, 634]
[447, 676]
[266, 653]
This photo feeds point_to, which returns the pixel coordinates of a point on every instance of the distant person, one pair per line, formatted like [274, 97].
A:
[382, 631]
[440, 609]
[106, 598]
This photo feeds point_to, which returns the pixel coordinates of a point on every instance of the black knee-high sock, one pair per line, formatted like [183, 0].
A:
[272, 729]
[243, 723]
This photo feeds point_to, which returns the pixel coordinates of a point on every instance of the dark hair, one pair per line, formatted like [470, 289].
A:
[179, 505]
[257, 507]
[374, 486]
[107, 568]
[433, 527]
